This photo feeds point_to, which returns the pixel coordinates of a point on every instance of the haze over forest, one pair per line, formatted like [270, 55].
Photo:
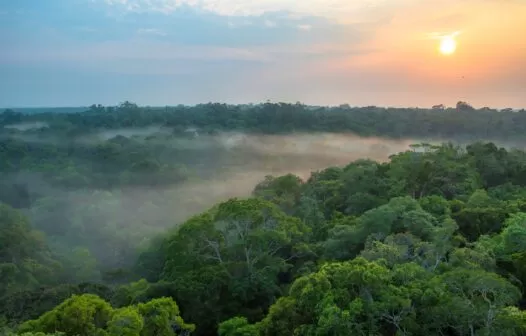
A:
[105, 205]
[168, 164]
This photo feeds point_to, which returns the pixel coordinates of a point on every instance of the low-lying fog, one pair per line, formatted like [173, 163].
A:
[249, 159]
[239, 162]
[245, 161]
[134, 132]
[27, 126]
[258, 156]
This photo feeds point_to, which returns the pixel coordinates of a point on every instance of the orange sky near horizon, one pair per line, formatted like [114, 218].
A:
[491, 50]
[491, 46]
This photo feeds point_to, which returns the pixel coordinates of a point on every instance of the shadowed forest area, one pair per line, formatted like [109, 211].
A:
[268, 219]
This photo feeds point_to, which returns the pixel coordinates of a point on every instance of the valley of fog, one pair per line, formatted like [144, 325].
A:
[234, 164]
[27, 126]
[114, 224]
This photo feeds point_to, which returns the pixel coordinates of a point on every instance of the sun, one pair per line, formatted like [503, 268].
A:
[448, 45]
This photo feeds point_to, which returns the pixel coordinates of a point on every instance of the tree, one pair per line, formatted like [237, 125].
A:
[232, 257]
[433, 170]
[365, 298]
[237, 326]
[161, 318]
[284, 191]
[25, 259]
[82, 315]
[474, 222]
[342, 298]
[126, 322]
[474, 300]
[463, 106]
[89, 315]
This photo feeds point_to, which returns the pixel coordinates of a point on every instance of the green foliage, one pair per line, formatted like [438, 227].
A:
[234, 254]
[29, 304]
[433, 170]
[436, 205]
[474, 222]
[161, 318]
[431, 242]
[89, 315]
[282, 118]
[83, 315]
[284, 191]
[237, 326]
[126, 322]
[36, 334]
[25, 259]
[361, 297]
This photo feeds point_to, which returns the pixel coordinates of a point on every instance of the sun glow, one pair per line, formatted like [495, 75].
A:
[448, 45]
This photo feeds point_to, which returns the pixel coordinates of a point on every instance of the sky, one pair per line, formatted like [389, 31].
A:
[322, 52]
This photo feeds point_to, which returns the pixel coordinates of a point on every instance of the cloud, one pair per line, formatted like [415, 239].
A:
[185, 26]
[130, 5]
[151, 52]
[304, 27]
[339, 11]
[343, 10]
[130, 50]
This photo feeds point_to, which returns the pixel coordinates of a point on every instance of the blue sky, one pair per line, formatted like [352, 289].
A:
[157, 52]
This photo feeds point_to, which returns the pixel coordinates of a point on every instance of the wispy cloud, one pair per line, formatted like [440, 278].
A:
[130, 5]
[334, 9]
[304, 27]
[141, 56]
[132, 50]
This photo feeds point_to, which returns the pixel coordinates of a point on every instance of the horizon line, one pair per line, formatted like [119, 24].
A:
[3, 108]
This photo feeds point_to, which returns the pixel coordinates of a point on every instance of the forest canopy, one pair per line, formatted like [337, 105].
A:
[101, 232]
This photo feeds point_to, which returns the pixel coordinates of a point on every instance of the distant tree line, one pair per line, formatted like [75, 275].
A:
[272, 118]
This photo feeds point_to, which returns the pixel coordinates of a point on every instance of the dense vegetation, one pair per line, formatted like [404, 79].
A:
[462, 121]
[431, 242]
